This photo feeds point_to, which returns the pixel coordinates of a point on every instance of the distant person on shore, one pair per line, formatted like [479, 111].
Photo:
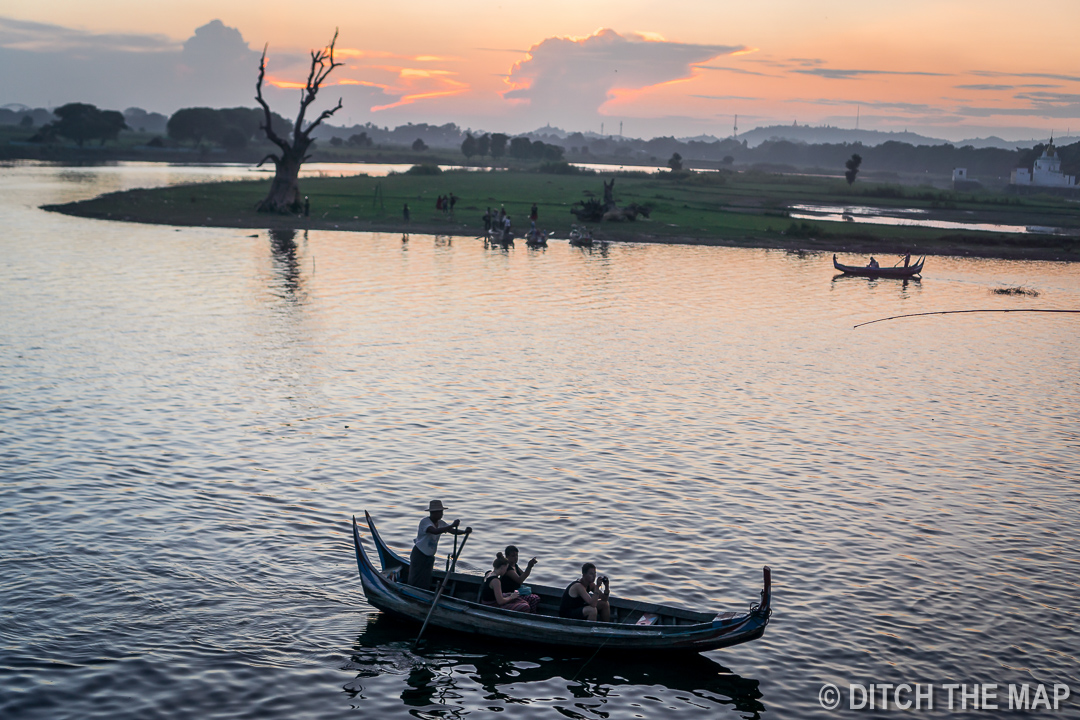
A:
[534, 214]
[453, 202]
[405, 212]
[307, 207]
[507, 233]
[584, 599]
[487, 221]
[515, 577]
[502, 214]
[495, 595]
[422, 559]
[438, 204]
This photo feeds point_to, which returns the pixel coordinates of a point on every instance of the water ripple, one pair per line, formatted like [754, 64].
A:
[190, 417]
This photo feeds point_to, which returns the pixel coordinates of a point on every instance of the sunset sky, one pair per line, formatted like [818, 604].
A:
[946, 68]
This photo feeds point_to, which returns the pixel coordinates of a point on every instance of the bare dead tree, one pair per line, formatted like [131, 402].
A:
[284, 195]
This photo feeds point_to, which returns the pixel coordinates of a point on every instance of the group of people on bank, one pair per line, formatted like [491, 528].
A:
[586, 598]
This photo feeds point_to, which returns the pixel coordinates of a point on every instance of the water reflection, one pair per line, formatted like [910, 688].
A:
[456, 675]
[909, 217]
[286, 265]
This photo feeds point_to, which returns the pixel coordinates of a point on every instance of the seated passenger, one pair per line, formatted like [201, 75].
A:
[515, 578]
[873, 262]
[584, 600]
[492, 593]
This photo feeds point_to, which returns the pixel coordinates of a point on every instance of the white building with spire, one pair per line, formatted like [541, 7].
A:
[1045, 173]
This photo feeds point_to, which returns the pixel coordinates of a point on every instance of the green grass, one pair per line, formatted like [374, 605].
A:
[716, 208]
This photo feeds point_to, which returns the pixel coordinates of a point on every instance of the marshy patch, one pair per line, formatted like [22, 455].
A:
[1019, 290]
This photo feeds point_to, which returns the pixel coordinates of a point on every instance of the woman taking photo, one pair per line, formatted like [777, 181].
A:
[515, 577]
[492, 593]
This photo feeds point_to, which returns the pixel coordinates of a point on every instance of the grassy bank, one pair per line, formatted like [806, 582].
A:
[741, 209]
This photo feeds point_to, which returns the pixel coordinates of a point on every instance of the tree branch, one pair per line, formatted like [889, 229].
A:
[268, 127]
[325, 114]
[322, 64]
[270, 156]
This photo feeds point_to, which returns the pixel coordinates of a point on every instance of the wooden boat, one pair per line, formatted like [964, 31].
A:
[499, 238]
[635, 626]
[881, 272]
[580, 236]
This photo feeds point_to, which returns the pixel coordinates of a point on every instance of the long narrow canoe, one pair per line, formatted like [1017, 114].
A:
[880, 272]
[634, 625]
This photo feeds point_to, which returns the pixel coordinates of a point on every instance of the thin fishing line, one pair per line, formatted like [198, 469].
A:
[957, 312]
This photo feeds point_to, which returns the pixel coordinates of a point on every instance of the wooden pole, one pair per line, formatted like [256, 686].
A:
[442, 586]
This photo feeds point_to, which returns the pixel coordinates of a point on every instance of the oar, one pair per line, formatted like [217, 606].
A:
[442, 586]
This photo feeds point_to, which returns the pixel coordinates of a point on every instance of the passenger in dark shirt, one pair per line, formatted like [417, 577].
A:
[515, 577]
[587, 597]
[493, 594]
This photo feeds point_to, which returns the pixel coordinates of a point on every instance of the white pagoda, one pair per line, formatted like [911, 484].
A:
[1045, 173]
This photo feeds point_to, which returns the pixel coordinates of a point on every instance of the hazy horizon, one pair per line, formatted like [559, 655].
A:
[958, 72]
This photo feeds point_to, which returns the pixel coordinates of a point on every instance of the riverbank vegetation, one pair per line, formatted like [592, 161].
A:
[719, 208]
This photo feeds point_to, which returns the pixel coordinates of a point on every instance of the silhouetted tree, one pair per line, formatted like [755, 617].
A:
[360, 140]
[27, 121]
[546, 151]
[483, 145]
[498, 145]
[419, 145]
[284, 194]
[468, 146]
[675, 163]
[195, 125]
[519, 148]
[81, 122]
[852, 166]
[336, 141]
[233, 138]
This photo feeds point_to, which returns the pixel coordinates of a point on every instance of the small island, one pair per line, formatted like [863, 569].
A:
[742, 209]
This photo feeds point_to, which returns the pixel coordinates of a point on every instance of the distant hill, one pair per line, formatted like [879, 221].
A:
[816, 135]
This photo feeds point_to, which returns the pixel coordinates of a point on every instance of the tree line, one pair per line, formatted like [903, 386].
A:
[522, 148]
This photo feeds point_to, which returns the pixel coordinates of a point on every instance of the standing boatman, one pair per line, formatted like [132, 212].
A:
[422, 559]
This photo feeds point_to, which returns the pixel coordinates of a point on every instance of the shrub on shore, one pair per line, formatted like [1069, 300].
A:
[424, 169]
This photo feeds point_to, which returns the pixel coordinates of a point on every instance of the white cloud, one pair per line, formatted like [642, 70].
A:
[571, 78]
[49, 65]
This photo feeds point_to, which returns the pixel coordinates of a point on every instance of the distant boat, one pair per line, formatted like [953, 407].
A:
[881, 272]
[536, 240]
[500, 237]
[634, 626]
[580, 236]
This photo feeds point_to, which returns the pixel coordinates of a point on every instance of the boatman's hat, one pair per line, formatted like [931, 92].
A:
[435, 505]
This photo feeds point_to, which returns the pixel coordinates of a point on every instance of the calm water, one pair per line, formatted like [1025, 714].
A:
[909, 216]
[190, 416]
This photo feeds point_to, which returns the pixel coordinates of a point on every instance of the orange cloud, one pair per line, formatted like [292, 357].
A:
[410, 99]
[618, 95]
[286, 84]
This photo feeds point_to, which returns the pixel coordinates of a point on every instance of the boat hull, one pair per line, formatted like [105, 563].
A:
[881, 272]
[698, 632]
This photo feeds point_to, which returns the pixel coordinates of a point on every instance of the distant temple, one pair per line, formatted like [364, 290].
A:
[1046, 173]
